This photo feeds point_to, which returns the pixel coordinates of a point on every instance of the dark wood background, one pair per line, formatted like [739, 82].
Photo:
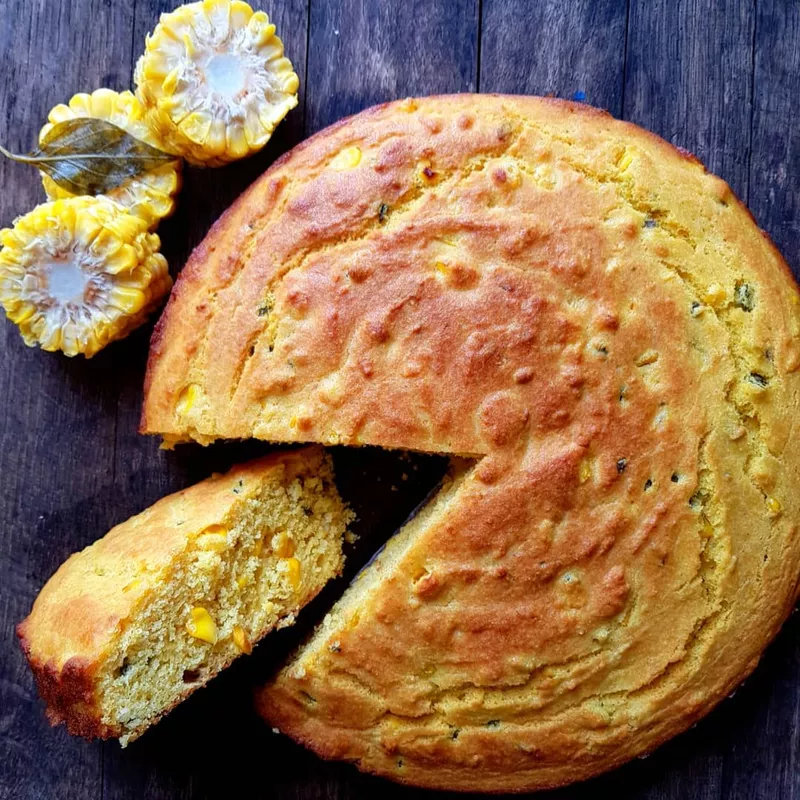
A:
[719, 77]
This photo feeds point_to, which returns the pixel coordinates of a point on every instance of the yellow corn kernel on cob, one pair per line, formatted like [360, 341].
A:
[75, 274]
[150, 195]
[214, 80]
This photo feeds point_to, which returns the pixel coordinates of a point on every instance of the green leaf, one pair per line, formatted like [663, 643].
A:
[91, 156]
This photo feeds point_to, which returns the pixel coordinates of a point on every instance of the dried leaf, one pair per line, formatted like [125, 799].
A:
[91, 156]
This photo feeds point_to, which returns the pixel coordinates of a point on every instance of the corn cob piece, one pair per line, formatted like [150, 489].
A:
[215, 81]
[150, 195]
[78, 273]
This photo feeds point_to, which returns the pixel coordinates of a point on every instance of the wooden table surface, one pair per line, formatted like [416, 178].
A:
[718, 77]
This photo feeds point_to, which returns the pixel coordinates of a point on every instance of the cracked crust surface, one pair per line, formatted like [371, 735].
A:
[598, 322]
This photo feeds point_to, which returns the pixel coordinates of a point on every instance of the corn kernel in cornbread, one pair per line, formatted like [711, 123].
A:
[294, 571]
[347, 159]
[242, 640]
[201, 625]
[283, 545]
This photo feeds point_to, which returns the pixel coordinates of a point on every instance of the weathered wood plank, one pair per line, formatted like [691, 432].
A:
[774, 167]
[570, 50]
[363, 52]
[688, 78]
[56, 415]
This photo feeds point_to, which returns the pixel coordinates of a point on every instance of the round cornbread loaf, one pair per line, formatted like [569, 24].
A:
[133, 624]
[593, 320]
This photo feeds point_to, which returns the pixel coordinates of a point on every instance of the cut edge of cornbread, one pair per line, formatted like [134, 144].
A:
[371, 577]
[274, 546]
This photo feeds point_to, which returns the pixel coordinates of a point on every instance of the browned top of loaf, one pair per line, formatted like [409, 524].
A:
[585, 306]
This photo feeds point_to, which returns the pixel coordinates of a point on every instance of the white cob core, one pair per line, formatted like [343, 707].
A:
[65, 281]
[225, 75]
[70, 290]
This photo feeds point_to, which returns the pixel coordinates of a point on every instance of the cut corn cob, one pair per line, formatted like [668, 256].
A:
[214, 80]
[151, 195]
[75, 274]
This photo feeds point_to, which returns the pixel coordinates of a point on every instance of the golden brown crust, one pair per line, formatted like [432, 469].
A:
[286, 713]
[68, 693]
[585, 309]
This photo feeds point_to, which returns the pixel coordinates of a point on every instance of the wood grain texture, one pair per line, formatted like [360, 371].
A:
[570, 50]
[57, 416]
[774, 167]
[719, 78]
[363, 52]
[689, 78]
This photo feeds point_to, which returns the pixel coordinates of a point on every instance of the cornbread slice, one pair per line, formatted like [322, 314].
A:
[133, 624]
[594, 320]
